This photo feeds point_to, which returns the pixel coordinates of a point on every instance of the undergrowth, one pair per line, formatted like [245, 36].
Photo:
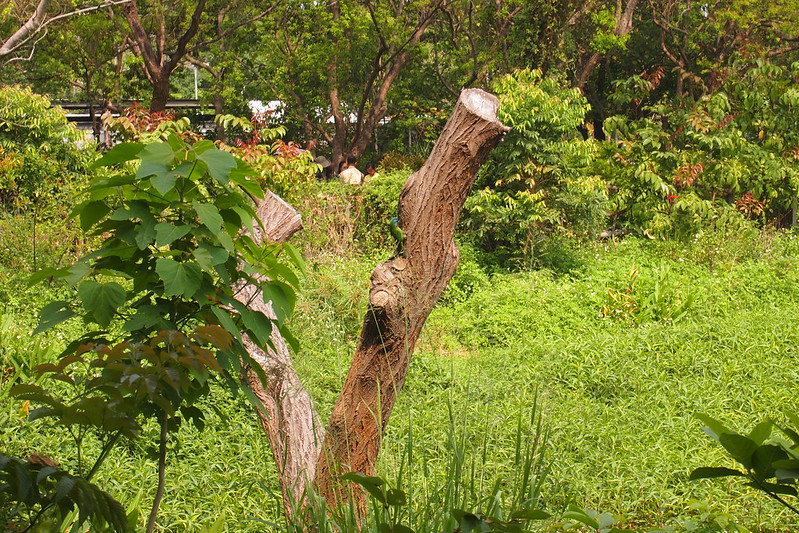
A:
[617, 360]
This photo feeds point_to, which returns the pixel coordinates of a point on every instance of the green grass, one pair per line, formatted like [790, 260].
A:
[617, 394]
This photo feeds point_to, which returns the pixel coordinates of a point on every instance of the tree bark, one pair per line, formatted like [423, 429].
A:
[404, 291]
[289, 419]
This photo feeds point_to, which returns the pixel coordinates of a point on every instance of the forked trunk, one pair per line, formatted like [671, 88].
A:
[403, 292]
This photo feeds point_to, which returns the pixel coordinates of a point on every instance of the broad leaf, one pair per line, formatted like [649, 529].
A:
[119, 154]
[209, 216]
[741, 448]
[219, 162]
[710, 472]
[210, 256]
[179, 278]
[52, 314]
[155, 159]
[166, 233]
[101, 300]
[92, 212]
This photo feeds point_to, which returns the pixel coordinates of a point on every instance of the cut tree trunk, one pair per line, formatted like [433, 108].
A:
[404, 291]
[289, 419]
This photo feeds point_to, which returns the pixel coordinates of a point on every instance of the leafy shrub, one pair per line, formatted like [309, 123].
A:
[769, 464]
[380, 198]
[683, 164]
[43, 158]
[161, 289]
[535, 182]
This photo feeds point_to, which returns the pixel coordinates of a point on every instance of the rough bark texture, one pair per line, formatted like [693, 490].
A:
[289, 420]
[404, 290]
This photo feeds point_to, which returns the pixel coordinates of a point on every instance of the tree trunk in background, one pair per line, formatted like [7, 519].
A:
[624, 25]
[404, 291]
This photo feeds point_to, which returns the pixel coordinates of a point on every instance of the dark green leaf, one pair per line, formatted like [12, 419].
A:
[710, 472]
[740, 448]
[101, 300]
[166, 233]
[209, 216]
[396, 497]
[155, 159]
[179, 278]
[371, 484]
[226, 322]
[52, 314]
[714, 428]
[219, 162]
[773, 487]
[92, 212]
[210, 256]
[762, 460]
[761, 432]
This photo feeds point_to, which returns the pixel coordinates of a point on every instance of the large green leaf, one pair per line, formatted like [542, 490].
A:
[179, 278]
[101, 300]
[52, 314]
[710, 472]
[210, 256]
[219, 162]
[155, 159]
[209, 216]
[119, 154]
[91, 213]
[166, 233]
[740, 448]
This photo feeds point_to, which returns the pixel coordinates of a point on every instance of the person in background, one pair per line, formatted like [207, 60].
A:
[351, 175]
[371, 172]
[326, 172]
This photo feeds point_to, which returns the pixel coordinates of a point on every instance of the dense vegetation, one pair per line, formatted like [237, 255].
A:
[628, 274]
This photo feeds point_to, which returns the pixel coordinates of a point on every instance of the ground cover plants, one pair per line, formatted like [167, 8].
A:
[618, 393]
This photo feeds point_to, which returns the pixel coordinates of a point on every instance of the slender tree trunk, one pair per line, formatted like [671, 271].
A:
[404, 291]
[624, 25]
[289, 419]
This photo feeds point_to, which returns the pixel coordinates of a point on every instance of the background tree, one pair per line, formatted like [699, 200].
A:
[334, 64]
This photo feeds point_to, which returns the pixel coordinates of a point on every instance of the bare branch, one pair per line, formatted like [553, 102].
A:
[37, 24]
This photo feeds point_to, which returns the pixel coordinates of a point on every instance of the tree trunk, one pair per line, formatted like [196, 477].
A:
[160, 94]
[289, 420]
[404, 291]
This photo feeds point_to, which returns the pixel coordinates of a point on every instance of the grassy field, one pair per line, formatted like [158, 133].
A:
[616, 346]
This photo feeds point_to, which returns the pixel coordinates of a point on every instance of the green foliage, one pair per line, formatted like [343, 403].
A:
[535, 182]
[42, 163]
[684, 164]
[32, 489]
[662, 301]
[165, 274]
[770, 465]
